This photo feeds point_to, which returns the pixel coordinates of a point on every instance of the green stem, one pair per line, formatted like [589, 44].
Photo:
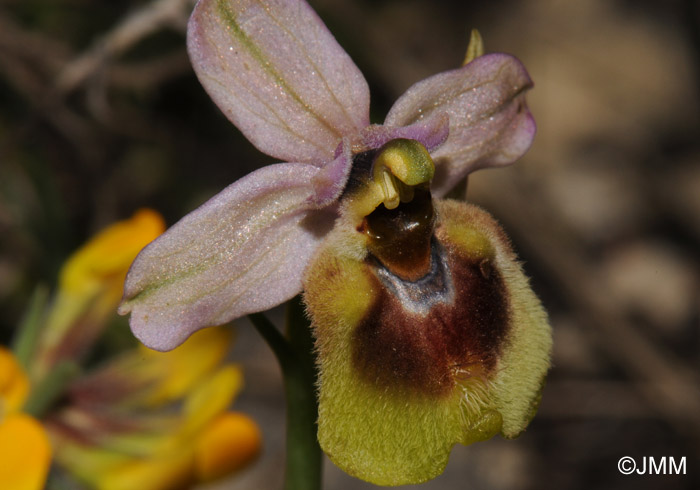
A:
[51, 388]
[296, 358]
[25, 341]
[304, 457]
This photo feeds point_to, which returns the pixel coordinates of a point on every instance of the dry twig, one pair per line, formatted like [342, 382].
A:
[132, 29]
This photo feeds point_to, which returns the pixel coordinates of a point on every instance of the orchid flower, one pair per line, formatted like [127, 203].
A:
[427, 332]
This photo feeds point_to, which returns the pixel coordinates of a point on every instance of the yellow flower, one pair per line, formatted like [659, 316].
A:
[229, 442]
[178, 371]
[90, 287]
[14, 385]
[102, 263]
[25, 452]
[129, 436]
[144, 420]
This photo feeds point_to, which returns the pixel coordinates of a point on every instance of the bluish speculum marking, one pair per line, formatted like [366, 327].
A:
[420, 296]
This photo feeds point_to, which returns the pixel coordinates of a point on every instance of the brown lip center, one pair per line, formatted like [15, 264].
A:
[400, 238]
[425, 336]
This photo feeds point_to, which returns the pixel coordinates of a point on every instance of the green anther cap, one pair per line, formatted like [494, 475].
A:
[401, 164]
[407, 160]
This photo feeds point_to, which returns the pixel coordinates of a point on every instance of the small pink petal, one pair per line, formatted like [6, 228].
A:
[490, 124]
[430, 132]
[241, 252]
[278, 74]
[330, 181]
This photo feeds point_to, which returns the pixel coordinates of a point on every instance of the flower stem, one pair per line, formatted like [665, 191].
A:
[50, 388]
[296, 357]
[27, 335]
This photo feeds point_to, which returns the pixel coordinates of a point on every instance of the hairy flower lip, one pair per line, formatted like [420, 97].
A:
[397, 390]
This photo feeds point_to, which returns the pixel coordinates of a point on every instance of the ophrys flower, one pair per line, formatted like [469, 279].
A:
[279, 75]
[427, 331]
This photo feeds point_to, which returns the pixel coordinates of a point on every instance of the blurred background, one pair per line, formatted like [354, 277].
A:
[101, 114]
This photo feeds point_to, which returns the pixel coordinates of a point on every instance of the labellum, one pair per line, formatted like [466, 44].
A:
[427, 331]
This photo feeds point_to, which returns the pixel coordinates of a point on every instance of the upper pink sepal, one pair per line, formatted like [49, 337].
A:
[490, 124]
[279, 75]
[243, 251]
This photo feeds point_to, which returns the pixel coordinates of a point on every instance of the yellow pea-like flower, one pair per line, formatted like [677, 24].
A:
[14, 384]
[230, 442]
[25, 450]
[89, 288]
